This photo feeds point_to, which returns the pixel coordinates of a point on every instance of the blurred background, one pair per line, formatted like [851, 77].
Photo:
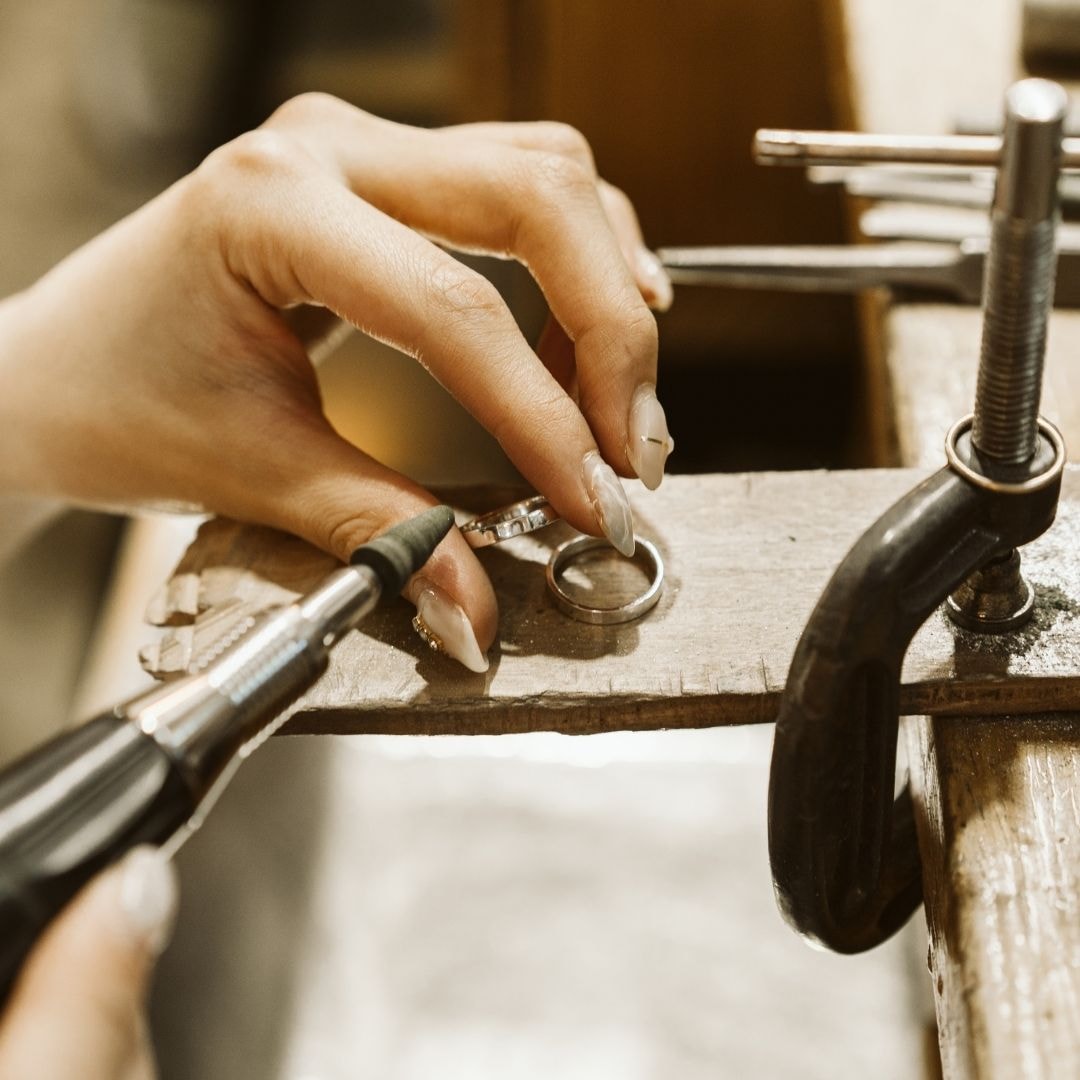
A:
[519, 907]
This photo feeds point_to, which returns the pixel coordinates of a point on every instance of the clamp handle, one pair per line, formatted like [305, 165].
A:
[844, 856]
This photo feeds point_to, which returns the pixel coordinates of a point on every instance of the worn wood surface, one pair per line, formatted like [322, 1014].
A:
[999, 810]
[997, 799]
[746, 556]
[1000, 841]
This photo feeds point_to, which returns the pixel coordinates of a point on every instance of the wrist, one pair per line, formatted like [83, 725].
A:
[18, 408]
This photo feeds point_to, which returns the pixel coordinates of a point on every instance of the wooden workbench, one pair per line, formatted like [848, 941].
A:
[747, 556]
[998, 798]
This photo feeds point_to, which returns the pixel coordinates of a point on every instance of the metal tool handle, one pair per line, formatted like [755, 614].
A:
[138, 774]
[835, 268]
[774, 146]
[844, 856]
[67, 811]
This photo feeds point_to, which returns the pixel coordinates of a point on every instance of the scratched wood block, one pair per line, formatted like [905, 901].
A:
[1000, 841]
[746, 557]
[998, 816]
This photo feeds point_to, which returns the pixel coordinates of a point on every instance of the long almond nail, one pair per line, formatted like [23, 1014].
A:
[147, 896]
[449, 626]
[649, 442]
[609, 502]
[654, 281]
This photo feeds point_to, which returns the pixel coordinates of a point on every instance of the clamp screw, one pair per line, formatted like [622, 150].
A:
[995, 597]
[1019, 284]
[1018, 293]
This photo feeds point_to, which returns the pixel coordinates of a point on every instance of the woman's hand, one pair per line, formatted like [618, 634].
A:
[77, 1009]
[164, 363]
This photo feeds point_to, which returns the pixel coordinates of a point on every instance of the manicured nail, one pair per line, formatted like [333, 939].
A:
[609, 502]
[446, 628]
[649, 443]
[148, 896]
[654, 280]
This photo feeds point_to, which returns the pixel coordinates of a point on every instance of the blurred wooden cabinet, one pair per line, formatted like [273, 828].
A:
[669, 95]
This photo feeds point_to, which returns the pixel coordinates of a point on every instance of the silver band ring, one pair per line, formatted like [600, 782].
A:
[564, 554]
[524, 516]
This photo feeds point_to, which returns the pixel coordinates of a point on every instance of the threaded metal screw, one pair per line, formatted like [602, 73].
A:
[1018, 289]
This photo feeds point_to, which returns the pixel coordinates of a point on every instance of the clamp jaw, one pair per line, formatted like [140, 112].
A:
[844, 855]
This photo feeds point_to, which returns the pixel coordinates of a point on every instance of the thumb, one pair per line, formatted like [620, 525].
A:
[315, 484]
[77, 1007]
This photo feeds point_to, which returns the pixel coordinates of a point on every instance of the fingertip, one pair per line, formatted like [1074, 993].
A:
[609, 502]
[126, 914]
[148, 898]
[457, 613]
[653, 280]
[649, 444]
[613, 361]
[89, 972]
[467, 582]
[444, 626]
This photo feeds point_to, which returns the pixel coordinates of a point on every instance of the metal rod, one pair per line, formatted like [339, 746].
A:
[933, 185]
[886, 184]
[916, 224]
[920, 224]
[781, 147]
[838, 268]
[956, 270]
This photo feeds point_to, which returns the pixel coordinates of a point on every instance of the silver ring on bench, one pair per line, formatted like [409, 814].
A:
[646, 553]
[523, 516]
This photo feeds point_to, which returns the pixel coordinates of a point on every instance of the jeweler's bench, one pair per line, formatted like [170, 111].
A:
[747, 556]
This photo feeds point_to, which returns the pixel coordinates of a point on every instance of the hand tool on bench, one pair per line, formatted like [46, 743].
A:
[968, 189]
[955, 270]
[148, 771]
[780, 146]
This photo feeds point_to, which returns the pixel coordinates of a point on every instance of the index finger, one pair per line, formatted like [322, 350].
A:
[296, 235]
[540, 206]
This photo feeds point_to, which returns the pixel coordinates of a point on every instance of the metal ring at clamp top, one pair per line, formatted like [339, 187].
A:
[1003, 487]
[563, 555]
[523, 516]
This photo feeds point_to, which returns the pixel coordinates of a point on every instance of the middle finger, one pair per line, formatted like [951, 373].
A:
[540, 207]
